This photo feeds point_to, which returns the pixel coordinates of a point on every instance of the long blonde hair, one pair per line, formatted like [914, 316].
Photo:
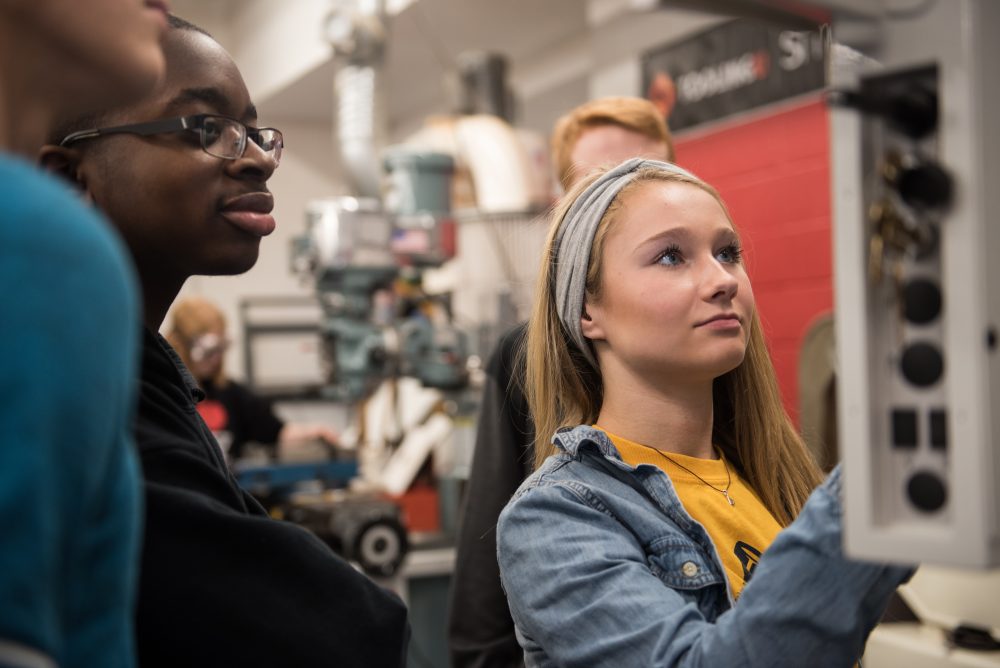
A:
[749, 421]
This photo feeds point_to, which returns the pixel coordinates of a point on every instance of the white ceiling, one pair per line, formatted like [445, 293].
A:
[425, 39]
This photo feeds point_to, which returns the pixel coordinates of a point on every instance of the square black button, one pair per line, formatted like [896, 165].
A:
[939, 429]
[904, 428]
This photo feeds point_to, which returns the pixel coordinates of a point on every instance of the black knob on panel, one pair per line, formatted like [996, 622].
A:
[909, 106]
[912, 109]
[921, 301]
[927, 491]
[927, 186]
[922, 364]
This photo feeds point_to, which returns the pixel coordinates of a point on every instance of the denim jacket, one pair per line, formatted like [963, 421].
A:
[603, 567]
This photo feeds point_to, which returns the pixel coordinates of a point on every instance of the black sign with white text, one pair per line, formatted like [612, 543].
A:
[737, 66]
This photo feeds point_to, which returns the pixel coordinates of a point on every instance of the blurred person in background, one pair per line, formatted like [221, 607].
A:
[183, 176]
[599, 133]
[234, 413]
[70, 496]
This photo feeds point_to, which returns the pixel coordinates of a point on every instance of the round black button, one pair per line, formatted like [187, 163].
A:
[922, 364]
[913, 110]
[925, 186]
[921, 301]
[926, 491]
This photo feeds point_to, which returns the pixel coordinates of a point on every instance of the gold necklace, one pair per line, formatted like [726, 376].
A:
[729, 476]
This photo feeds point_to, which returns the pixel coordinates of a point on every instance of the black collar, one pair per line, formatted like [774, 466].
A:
[155, 346]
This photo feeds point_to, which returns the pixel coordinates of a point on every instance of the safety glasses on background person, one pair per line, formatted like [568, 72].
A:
[208, 345]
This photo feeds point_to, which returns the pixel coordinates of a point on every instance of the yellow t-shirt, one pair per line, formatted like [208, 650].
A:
[741, 532]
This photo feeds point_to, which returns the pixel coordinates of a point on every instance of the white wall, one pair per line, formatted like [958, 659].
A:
[208, 15]
[278, 42]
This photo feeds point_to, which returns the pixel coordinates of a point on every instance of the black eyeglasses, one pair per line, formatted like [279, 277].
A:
[221, 136]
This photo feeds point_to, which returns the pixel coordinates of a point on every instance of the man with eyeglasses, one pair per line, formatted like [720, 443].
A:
[183, 176]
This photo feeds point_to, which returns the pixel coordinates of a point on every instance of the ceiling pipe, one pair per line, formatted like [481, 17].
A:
[357, 31]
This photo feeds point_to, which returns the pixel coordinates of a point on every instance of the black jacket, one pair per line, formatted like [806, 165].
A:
[246, 416]
[223, 584]
[480, 629]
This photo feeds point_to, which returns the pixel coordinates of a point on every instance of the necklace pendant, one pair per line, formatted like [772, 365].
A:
[729, 498]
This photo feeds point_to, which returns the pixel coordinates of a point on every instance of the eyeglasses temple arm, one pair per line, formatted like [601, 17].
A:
[149, 128]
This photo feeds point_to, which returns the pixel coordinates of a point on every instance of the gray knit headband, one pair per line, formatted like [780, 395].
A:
[575, 237]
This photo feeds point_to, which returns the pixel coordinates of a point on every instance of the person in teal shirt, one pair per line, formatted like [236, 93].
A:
[69, 488]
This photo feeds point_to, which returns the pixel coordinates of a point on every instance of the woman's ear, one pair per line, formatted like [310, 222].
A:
[591, 321]
[64, 162]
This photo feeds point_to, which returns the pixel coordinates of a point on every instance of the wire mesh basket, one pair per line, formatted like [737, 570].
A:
[495, 271]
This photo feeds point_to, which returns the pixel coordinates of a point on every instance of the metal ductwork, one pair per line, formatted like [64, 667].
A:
[356, 29]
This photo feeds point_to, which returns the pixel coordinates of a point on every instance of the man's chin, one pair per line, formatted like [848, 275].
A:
[233, 266]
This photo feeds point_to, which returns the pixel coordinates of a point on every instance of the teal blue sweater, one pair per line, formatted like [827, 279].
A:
[70, 503]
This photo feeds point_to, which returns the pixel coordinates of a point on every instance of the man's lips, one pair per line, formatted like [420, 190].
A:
[251, 212]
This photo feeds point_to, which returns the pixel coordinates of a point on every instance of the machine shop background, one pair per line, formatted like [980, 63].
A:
[772, 159]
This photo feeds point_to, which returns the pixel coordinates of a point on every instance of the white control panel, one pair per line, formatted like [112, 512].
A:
[916, 192]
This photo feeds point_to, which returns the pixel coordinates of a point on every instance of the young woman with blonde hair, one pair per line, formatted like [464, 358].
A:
[674, 474]
[597, 134]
